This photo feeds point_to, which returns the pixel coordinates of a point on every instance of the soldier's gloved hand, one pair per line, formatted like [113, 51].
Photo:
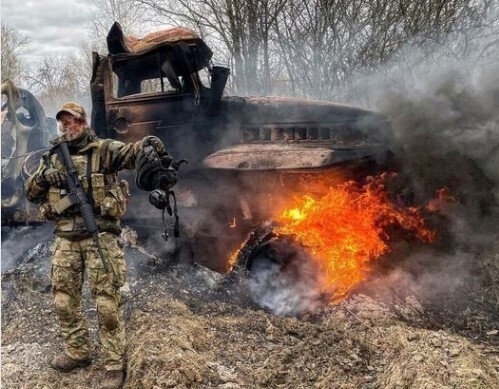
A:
[55, 178]
[156, 143]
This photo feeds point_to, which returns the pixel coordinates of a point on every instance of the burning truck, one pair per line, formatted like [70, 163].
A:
[271, 183]
[251, 161]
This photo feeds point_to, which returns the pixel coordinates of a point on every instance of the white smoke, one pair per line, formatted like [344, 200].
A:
[288, 289]
[443, 111]
[25, 244]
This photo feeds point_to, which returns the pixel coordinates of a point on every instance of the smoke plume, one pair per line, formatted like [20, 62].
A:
[445, 134]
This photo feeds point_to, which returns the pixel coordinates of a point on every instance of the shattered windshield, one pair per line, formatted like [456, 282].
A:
[151, 73]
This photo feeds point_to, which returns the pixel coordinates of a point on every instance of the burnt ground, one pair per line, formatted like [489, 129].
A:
[188, 328]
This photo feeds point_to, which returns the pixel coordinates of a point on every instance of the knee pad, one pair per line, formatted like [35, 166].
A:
[109, 313]
[63, 304]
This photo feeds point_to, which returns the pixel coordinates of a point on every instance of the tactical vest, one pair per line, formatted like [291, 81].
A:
[108, 196]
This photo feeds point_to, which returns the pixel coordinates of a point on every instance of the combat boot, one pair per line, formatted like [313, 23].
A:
[65, 364]
[113, 379]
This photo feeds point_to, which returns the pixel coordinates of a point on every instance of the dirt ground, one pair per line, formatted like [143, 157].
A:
[187, 328]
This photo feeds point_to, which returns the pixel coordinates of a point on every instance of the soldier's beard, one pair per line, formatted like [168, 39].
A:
[70, 134]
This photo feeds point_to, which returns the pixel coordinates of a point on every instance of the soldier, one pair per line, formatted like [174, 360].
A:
[97, 162]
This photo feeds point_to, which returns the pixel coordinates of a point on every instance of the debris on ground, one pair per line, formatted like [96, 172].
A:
[186, 328]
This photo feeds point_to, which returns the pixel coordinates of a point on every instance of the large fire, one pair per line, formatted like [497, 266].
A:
[347, 228]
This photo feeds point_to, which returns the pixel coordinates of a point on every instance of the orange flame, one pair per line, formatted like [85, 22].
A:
[346, 229]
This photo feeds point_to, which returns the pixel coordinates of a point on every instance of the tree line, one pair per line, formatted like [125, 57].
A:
[307, 48]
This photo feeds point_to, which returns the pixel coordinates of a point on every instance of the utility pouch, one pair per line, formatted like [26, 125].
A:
[46, 211]
[98, 188]
[54, 195]
[114, 203]
[47, 208]
[63, 204]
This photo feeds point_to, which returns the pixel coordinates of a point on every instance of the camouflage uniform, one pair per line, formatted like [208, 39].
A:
[69, 261]
[97, 162]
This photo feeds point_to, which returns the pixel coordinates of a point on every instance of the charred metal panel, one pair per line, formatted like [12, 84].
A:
[98, 116]
[311, 155]
[199, 52]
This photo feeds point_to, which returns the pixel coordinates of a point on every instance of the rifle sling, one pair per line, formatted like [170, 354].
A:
[89, 193]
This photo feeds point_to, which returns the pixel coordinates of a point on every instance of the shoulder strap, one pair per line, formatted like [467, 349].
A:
[95, 160]
[104, 155]
[49, 155]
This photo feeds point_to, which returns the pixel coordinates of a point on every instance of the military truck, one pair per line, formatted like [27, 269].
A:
[240, 149]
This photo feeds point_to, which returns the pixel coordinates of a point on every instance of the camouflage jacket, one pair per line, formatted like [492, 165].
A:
[97, 162]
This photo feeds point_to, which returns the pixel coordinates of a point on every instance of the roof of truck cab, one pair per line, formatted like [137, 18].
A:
[119, 43]
[167, 36]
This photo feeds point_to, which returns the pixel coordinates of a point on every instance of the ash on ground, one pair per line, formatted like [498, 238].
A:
[188, 327]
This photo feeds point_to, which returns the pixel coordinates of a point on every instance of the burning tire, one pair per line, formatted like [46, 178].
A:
[320, 247]
[281, 275]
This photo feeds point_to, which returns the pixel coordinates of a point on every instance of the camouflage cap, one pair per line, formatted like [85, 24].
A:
[74, 109]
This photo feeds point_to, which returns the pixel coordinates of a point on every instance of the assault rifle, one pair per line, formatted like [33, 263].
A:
[78, 197]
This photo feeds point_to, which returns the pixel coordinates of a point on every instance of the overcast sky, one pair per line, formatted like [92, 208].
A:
[52, 25]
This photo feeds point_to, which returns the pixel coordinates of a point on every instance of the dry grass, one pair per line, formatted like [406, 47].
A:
[357, 344]
[183, 334]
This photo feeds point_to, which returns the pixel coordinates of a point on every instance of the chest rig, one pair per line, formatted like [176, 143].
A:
[107, 196]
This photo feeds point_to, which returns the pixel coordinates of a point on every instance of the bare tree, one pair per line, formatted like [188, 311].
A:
[13, 45]
[317, 47]
[325, 44]
[82, 62]
[239, 28]
[61, 78]
[57, 81]
[106, 12]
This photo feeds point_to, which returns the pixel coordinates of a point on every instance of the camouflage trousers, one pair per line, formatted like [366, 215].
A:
[69, 261]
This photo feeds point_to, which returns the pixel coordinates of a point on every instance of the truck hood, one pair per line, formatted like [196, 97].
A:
[286, 156]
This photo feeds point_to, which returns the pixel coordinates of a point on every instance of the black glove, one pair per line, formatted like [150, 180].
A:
[55, 178]
[156, 144]
[153, 168]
